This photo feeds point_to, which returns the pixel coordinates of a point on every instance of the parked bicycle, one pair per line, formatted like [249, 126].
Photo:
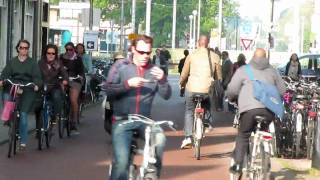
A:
[147, 169]
[13, 122]
[257, 161]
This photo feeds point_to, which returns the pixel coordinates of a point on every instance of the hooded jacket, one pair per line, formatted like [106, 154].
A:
[241, 86]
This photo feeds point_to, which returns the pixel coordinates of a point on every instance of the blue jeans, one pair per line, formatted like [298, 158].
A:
[121, 144]
[23, 123]
[189, 111]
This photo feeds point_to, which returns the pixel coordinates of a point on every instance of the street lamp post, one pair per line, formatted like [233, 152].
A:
[194, 12]
[173, 43]
[133, 18]
[148, 17]
[122, 25]
[220, 24]
[199, 16]
[190, 33]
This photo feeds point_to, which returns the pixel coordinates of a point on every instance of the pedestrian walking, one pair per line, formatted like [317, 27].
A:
[293, 67]
[165, 57]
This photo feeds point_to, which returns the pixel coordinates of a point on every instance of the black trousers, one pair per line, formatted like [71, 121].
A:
[247, 126]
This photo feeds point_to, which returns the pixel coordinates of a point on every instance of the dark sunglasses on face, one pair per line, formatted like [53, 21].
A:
[144, 52]
[51, 53]
[69, 49]
[23, 48]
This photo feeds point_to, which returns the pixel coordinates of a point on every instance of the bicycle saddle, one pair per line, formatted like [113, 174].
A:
[300, 97]
[199, 97]
[260, 119]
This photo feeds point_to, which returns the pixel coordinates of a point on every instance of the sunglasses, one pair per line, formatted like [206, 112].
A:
[51, 53]
[144, 52]
[23, 48]
[69, 49]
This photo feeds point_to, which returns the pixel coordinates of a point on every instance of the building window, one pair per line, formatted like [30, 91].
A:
[2, 3]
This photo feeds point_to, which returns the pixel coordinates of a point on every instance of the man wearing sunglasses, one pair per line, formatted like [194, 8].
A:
[132, 89]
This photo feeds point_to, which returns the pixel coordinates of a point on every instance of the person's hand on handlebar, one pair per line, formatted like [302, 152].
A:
[36, 88]
[65, 82]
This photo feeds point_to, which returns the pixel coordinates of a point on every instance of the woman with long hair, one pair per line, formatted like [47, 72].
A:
[293, 68]
[51, 69]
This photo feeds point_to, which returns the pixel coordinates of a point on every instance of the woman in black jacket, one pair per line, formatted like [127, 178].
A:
[51, 69]
[74, 67]
[293, 68]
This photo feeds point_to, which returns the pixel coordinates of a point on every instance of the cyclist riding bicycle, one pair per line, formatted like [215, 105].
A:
[196, 76]
[87, 64]
[241, 87]
[51, 69]
[23, 69]
[74, 68]
[133, 89]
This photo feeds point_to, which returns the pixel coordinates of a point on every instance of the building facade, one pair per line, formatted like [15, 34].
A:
[23, 19]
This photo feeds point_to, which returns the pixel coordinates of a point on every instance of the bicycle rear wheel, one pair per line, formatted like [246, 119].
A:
[197, 137]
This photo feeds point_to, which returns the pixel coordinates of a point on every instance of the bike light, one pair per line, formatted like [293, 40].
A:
[312, 114]
[268, 138]
[199, 110]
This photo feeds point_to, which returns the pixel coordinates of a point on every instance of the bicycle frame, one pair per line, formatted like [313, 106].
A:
[149, 145]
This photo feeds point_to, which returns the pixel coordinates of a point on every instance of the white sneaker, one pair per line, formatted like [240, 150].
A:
[186, 143]
[208, 129]
[22, 147]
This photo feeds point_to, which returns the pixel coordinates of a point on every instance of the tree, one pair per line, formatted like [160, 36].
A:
[161, 15]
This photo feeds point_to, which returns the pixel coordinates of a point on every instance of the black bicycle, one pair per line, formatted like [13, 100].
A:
[13, 122]
[45, 126]
[64, 118]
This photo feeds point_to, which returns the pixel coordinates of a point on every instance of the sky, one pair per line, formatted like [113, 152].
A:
[261, 8]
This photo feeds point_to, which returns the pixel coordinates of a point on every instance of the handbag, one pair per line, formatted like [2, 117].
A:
[9, 105]
[267, 94]
[216, 89]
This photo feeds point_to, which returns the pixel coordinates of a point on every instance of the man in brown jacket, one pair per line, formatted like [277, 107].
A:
[196, 77]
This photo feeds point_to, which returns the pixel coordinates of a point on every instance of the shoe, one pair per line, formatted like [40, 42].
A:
[208, 128]
[74, 130]
[235, 169]
[22, 147]
[186, 143]
[6, 123]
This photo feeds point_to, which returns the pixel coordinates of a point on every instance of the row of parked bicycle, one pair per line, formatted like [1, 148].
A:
[295, 133]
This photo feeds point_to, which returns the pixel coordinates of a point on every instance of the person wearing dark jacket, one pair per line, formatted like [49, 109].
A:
[23, 69]
[241, 60]
[74, 67]
[133, 89]
[227, 70]
[51, 69]
[241, 88]
[293, 68]
[181, 62]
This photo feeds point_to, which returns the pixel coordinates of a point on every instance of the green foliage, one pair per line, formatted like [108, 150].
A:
[161, 16]
[54, 2]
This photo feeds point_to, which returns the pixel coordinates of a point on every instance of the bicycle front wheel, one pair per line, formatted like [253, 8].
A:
[310, 137]
[12, 135]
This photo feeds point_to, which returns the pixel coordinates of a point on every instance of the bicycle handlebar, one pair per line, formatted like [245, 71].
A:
[75, 78]
[30, 84]
[148, 121]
